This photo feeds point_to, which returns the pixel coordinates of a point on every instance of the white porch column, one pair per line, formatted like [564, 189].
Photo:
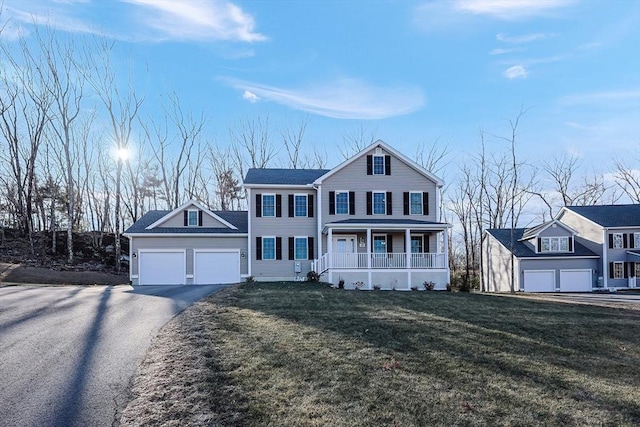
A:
[368, 248]
[446, 254]
[330, 247]
[407, 246]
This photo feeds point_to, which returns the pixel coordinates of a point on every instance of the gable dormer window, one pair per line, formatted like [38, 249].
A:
[554, 244]
[378, 164]
[192, 218]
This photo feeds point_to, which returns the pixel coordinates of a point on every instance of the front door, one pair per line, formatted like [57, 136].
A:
[344, 252]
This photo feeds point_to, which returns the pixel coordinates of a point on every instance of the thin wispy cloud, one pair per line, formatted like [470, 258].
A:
[523, 38]
[499, 51]
[344, 98]
[515, 72]
[510, 9]
[250, 96]
[210, 20]
[144, 20]
[601, 98]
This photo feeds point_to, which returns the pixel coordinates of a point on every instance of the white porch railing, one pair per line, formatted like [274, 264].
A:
[396, 260]
[634, 282]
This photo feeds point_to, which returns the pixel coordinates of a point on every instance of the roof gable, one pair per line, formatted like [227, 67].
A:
[239, 219]
[190, 204]
[522, 249]
[381, 144]
[530, 233]
[608, 215]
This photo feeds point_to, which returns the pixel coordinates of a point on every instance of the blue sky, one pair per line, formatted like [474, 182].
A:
[412, 72]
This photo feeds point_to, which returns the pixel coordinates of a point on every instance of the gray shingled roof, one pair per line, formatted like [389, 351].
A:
[237, 218]
[610, 215]
[521, 250]
[283, 176]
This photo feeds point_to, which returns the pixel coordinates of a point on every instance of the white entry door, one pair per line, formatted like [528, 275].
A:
[344, 252]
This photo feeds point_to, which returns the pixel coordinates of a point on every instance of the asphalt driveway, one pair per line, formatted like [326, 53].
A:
[68, 354]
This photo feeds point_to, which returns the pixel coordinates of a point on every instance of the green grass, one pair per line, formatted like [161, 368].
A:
[309, 355]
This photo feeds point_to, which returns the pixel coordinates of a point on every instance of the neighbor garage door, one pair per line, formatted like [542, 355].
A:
[575, 281]
[539, 280]
[161, 268]
[216, 267]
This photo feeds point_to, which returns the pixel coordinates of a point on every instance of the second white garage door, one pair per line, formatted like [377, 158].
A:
[539, 280]
[575, 281]
[216, 267]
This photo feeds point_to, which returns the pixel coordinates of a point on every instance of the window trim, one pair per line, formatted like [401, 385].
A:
[295, 248]
[421, 205]
[263, 205]
[306, 205]
[373, 243]
[264, 238]
[614, 235]
[197, 217]
[373, 164]
[373, 202]
[413, 237]
[336, 193]
[636, 240]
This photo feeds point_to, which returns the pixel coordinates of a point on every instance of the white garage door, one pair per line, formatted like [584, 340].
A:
[575, 281]
[161, 268]
[216, 267]
[540, 281]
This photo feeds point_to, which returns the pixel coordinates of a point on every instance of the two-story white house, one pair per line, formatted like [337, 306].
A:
[582, 249]
[372, 221]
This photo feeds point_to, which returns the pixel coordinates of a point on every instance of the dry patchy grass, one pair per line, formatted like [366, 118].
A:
[308, 355]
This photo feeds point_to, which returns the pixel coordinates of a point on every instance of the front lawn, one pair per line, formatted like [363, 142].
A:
[309, 355]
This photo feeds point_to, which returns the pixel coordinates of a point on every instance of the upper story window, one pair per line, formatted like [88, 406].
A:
[415, 203]
[342, 202]
[192, 218]
[379, 203]
[269, 205]
[378, 165]
[618, 241]
[300, 204]
[554, 244]
[636, 240]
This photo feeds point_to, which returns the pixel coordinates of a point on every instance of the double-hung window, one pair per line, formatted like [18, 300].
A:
[301, 248]
[618, 270]
[378, 165]
[342, 202]
[416, 244]
[618, 241]
[415, 203]
[268, 248]
[636, 240]
[300, 205]
[269, 205]
[192, 218]
[379, 203]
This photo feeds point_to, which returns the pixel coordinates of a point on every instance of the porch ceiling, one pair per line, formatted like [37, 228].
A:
[385, 224]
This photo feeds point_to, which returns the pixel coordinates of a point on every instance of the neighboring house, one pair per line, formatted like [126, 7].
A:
[372, 221]
[613, 232]
[585, 247]
[189, 245]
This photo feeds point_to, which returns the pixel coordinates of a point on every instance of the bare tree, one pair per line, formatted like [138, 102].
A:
[628, 176]
[433, 158]
[356, 140]
[292, 137]
[250, 144]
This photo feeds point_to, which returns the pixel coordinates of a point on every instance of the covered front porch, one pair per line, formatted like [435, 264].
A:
[385, 254]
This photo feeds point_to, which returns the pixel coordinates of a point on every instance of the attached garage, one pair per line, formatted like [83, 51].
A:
[576, 281]
[216, 267]
[539, 280]
[162, 267]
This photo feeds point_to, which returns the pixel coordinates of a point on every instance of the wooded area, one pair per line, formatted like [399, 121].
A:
[69, 113]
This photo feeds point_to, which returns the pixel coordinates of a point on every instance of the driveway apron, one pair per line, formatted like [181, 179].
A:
[68, 354]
